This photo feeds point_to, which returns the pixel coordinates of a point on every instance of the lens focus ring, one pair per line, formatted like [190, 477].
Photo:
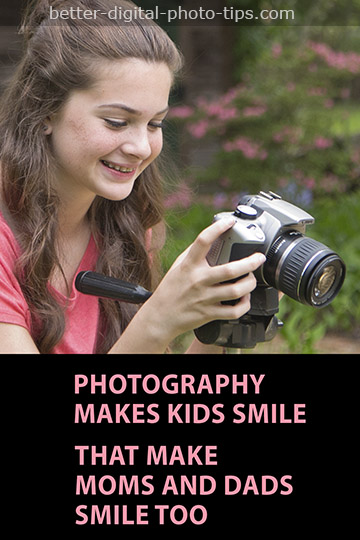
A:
[296, 264]
[294, 267]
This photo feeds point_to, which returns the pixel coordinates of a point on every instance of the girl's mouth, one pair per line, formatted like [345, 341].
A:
[118, 168]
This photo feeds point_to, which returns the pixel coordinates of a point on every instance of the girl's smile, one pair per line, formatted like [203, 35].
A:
[104, 137]
[119, 171]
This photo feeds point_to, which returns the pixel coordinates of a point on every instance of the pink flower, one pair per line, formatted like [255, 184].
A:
[213, 109]
[290, 86]
[278, 137]
[217, 108]
[349, 61]
[183, 111]
[230, 96]
[182, 197]
[249, 149]
[322, 142]
[199, 129]
[226, 114]
[246, 147]
[232, 93]
[309, 183]
[254, 111]
[276, 50]
[328, 103]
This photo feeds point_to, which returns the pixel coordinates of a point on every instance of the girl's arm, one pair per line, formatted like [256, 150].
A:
[190, 295]
[15, 339]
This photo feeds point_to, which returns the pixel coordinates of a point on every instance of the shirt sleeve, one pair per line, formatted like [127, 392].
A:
[13, 306]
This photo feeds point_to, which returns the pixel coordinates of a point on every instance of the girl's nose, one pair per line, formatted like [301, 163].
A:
[137, 144]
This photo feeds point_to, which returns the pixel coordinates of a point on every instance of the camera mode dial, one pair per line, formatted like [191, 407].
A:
[246, 212]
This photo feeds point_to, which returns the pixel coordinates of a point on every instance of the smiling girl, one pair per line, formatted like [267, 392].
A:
[81, 132]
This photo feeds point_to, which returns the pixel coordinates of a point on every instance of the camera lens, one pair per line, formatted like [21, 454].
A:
[324, 282]
[304, 269]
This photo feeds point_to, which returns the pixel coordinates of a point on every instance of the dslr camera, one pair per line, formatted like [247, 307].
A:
[300, 267]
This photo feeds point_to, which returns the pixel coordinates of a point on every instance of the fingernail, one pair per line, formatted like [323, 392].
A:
[261, 258]
[229, 220]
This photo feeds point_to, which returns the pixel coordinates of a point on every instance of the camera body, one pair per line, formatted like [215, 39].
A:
[300, 267]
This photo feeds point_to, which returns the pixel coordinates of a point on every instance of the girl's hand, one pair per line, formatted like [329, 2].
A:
[191, 292]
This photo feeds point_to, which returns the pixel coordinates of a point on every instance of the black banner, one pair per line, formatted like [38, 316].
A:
[112, 447]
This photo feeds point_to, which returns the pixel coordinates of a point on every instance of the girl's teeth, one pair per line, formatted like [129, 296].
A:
[117, 168]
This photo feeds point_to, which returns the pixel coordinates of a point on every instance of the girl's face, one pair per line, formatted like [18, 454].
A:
[104, 137]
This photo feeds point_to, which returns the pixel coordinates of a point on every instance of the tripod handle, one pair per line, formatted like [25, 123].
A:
[108, 287]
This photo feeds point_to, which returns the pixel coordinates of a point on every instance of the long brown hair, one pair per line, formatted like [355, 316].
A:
[59, 57]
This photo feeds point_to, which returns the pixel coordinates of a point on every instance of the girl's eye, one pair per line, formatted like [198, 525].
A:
[114, 124]
[158, 125]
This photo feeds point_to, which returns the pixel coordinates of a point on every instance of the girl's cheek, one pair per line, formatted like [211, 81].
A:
[158, 144]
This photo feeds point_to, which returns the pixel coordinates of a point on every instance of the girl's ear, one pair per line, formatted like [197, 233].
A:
[47, 128]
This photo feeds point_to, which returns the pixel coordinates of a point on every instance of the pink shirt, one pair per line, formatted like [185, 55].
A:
[81, 315]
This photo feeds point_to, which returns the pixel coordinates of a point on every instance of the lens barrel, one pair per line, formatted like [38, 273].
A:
[304, 269]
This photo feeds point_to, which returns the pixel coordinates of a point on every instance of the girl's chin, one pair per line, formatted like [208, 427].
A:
[116, 187]
[117, 192]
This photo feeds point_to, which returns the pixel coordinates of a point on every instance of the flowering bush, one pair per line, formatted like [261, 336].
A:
[275, 129]
[291, 125]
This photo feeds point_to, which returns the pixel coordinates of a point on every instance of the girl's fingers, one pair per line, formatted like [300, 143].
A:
[228, 312]
[234, 291]
[234, 269]
[202, 244]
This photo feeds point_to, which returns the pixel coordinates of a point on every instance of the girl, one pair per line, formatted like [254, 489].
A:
[81, 132]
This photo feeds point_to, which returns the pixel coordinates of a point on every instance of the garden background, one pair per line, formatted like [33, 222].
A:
[273, 106]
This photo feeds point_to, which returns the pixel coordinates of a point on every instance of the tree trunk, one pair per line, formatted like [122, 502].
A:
[10, 41]
[207, 49]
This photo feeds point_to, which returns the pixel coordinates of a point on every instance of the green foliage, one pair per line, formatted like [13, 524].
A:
[337, 226]
[292, 120]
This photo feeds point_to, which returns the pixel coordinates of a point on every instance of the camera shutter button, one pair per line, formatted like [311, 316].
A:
[245, 212]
